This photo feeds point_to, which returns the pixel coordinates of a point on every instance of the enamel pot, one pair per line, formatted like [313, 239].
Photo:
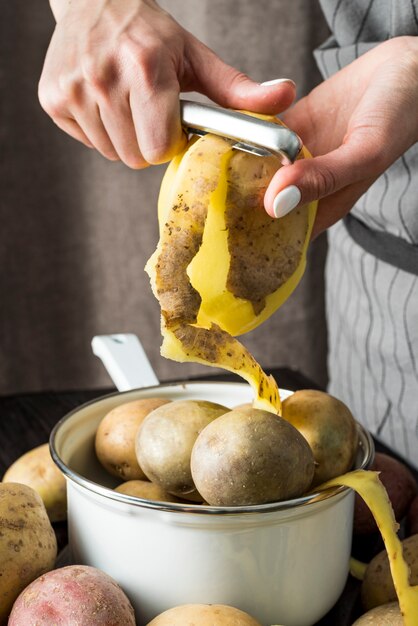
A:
[283, 562]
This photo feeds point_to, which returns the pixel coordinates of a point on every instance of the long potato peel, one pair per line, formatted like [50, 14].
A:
[222, 265]
[369, 487]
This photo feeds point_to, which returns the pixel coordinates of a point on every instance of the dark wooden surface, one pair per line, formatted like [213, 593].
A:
[26, 421]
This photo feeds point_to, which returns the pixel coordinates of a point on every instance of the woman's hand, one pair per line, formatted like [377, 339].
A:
[114, 71]
[356, 123]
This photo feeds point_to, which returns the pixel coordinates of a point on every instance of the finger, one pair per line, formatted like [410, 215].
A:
[156, 117]
[71, 127]
[87, 116]
[116, 116]
[311, 179]
[233, 89]
[336, 206]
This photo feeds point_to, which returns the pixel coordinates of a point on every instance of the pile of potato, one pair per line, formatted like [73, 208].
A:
[33, 593]
[189, 451]
[201, 451]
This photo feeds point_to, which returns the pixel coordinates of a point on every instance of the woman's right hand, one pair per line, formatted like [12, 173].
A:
[114, 71]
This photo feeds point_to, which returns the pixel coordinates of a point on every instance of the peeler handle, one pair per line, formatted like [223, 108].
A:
[250, 133]
[125, 361]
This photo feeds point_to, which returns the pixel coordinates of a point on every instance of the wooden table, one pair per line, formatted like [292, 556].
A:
[26, 421]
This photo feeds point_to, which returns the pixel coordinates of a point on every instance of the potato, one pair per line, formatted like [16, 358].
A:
[115, 437]
[377, 587]
[385, 615]
[37, 470]
[412, 517]
[249, 456]
[204, 615]
[165, 440]
[400, 485]
[77, 595]
[328, 426]
[28, 546]
[147, 490]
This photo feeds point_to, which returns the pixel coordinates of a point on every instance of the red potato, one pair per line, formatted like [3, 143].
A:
[78, 595]
[401, 486]
[412, 517]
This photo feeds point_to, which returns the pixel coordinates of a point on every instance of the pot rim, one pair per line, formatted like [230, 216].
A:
[365, 443]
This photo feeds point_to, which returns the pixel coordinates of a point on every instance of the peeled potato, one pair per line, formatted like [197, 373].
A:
[165, 440]
[377, 587]
[222, 265]
[115, 437]
[37, 470]
[328, 426]
[145, 489]
[204, 615]
[385, 615]
[249, 456]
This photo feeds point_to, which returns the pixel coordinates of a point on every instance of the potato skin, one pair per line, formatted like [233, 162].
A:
[384, 615]
[28, 546]
[400, 485]
[37, 470]
[377, 587]
[77, 594]
[249, 456]
[328, 426]
[115, 437]
[165, 440]
[145, 489]
[204, 615]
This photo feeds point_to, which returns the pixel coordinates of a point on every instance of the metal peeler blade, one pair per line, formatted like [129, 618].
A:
[251, 134]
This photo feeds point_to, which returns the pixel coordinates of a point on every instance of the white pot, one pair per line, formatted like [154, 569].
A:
[284, 563]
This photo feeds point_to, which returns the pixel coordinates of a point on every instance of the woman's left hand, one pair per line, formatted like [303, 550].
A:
[356, 124]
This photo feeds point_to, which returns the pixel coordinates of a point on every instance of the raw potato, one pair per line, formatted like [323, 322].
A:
[377, 587]
[74, 595]
[204, 615]
[328, 426]
[401, 486]
[412, 518]
[145, 489]
[249, 456]
[37, 470]
[115, 437]
[385, 615]
[28, 546]
[165, 441]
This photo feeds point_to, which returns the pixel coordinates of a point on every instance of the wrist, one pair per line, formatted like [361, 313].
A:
[60, 8]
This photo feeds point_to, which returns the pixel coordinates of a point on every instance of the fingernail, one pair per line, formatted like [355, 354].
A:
[286, 200]
[277, 81]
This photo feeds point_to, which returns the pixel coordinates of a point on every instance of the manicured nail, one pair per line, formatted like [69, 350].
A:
[277, 81]
[286, 200]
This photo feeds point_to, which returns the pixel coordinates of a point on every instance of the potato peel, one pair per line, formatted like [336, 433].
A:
[222, 265]
[368, 485]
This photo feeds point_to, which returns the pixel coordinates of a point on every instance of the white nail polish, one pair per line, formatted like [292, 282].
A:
[286, 200]
[277, 81]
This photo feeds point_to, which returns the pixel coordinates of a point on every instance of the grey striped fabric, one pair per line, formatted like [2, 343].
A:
[372, 306]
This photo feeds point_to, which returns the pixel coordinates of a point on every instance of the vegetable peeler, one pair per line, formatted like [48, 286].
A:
[251, 134]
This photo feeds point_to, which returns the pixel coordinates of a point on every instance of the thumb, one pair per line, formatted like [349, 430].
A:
[306, 180]
[232, 89]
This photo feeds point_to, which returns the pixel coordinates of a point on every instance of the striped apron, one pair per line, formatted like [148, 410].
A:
[372, 264]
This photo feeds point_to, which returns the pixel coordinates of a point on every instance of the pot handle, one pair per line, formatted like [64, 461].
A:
[125, 361]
